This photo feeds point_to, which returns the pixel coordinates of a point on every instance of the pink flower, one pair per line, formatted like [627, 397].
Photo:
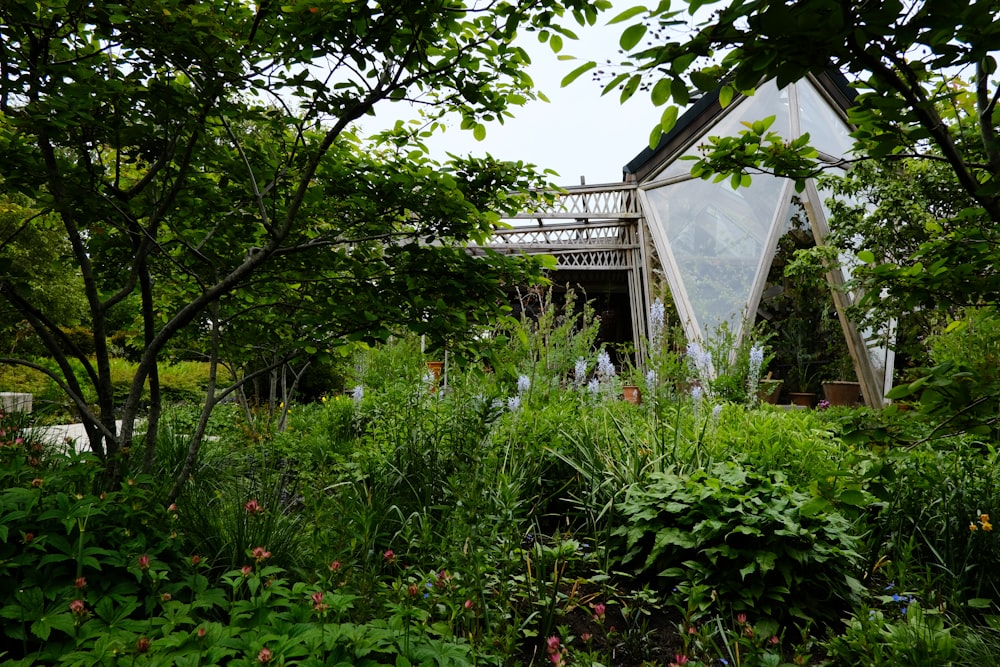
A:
[264, 655]
[599, 610]
[775, 640]
[335, 566]
[172, 507]
[552, 643]
[195, 559]
[81, 582]
[679, 659]
[586, 636]
[318, 603]
[468, 604]
[259, 554]
[144, 562]
[413, 590]
[389, 555]
[741, 619]
[78, 607]
[246, 570]
[253, 507]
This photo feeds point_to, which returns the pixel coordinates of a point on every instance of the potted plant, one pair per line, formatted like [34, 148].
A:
[842, 388]
[804, 371]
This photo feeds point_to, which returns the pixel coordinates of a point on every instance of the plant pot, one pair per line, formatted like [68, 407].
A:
[631, 393]
[768, 390]
[842, 393]
[435, 367]
[803, 398]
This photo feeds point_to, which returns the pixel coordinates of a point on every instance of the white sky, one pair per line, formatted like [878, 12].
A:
[578, 132]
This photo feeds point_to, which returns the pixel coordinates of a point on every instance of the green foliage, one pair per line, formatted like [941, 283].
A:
[218, 199]
[961, 389]
[741, 534]
[876, 640]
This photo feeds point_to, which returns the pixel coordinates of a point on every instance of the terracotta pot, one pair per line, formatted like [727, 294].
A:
[842, 393]
[768, 390]
[435, 367]
[631, 393]
[807, 399]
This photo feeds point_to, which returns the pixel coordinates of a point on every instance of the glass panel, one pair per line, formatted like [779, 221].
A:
[883, 357]
[767, 101]
[717, 236]
[827, 132]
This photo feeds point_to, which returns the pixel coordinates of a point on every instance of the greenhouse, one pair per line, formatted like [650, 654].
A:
[719, 250]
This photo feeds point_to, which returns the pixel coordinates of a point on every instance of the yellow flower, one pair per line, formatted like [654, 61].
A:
[985, 518]
[973, 527]
[987, 526]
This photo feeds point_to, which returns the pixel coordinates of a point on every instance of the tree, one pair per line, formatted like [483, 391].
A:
[198, 154]
[903, 58]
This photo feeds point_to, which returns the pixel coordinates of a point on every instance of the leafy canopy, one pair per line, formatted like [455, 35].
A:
[200, 161]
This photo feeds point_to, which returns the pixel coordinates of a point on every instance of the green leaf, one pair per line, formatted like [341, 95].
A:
[661, 92]
[627, 14]
[815, 507]
[632, 36]
[575, 74]
[556, 43]
[668, 119]
[479, 132]
[867, 256]
[726, 95]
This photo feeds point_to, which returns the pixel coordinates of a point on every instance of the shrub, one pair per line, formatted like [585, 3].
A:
[741, 534]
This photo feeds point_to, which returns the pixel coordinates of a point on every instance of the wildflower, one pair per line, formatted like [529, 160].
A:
[580, 370]
[202, 632]
[253, 507]
[389, 555]
[657, 316]
[697, 393]
[523, 383]
[823, 404]
[143, 562]
[984, 520]
[741, 619]
[318, 603]
[716, 411]
[142, 645]
[172, 507]
[973, 527]
[195, 559]
[259, 554]
[246, 570]
[513, 403]
[80, 583]
[358, 393]
[28, 537]
[774, 640]
[78, 607]
[468, 604]
[700, 358]
[555, 650]
[413, 590]
[593, 386]
[335, 566]
[651, 377]
[605, 368]
[599, 611]
[679, 659]
[166, 597]
[37, 482]
[586, 637]
[264, 656]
